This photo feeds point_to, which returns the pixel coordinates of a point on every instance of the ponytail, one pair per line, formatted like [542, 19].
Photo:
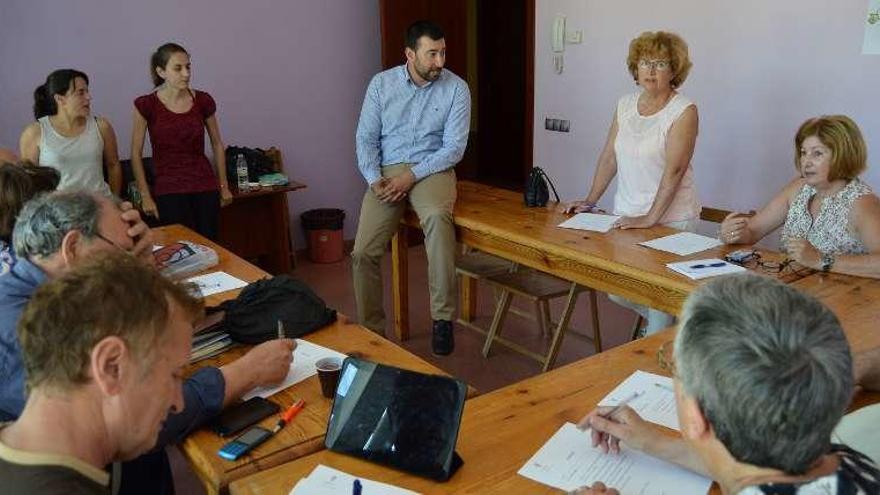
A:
[43, 104]
[58, 82]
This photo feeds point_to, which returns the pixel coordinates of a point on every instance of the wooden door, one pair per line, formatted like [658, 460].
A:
[396, 15]
[505, 66]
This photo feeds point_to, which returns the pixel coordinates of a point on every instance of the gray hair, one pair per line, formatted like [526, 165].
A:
[769, 366]
[46, 219]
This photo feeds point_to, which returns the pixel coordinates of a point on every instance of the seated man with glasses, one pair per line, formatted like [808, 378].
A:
[55, 233]
[763, 373]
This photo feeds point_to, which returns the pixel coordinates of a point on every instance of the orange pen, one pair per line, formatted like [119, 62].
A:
[289, 414]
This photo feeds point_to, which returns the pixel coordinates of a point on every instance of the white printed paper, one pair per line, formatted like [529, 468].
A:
[216, 282]
[590, 221]
[710, 267]
[568, 461]
[656, 400]
[305, 356]
[871, 42]
[325, 480]
[682, 243]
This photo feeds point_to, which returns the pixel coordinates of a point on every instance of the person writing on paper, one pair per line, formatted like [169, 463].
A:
[59, 231]
[763, 373]
[649, 148]
[67, 137]
[830, 219]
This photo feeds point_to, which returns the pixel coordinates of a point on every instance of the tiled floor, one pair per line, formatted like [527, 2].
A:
[333, 283]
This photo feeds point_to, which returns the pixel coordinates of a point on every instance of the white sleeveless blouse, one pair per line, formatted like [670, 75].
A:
[78, 159]
[640, 148]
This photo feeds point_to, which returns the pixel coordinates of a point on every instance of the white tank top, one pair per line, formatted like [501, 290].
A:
[640, 149]
[78, 159]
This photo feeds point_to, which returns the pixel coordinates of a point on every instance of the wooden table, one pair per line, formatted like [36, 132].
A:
[256, 226]
[496, 221]
[305, 435]
[228, 262]
[501, 430]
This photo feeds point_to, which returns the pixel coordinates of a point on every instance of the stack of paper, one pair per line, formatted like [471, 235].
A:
[590, 221]
[682, 243]
[324, 480]
[216, 282]
[711, 267]
[209, 344]
[305, 356]
[568, 461]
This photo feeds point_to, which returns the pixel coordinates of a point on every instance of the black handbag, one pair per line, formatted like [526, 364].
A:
[536, 193]
[252, 317]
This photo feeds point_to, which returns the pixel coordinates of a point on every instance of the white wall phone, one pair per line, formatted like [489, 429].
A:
[558, 33]
[559, 38]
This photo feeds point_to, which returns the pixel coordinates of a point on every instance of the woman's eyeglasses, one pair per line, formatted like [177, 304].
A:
[660, 65]
[786, 265]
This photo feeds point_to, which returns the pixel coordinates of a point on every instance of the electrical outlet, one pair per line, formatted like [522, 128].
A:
[558, 125]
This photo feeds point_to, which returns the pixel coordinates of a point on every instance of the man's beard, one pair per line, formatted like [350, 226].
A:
[428, 75]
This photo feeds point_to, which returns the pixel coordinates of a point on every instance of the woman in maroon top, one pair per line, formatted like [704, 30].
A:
[186, 189]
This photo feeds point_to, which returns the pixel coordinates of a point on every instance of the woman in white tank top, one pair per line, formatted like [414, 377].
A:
[649, 148]
[68, 138]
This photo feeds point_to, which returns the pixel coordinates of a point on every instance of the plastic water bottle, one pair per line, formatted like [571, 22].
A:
[241, 170]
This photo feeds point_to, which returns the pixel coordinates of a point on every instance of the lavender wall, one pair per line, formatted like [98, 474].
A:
[760, 69]
[290, 74]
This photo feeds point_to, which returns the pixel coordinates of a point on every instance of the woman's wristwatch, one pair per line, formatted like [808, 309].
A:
[827, 261]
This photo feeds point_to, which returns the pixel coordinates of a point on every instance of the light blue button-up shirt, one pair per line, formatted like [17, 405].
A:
[403, 123]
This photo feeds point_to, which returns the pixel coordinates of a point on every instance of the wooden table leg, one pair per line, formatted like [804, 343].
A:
[467, 298]
[399, 287]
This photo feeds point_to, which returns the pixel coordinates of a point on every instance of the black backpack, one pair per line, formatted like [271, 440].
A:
[257, 160]
[536, 193]
[252, 317]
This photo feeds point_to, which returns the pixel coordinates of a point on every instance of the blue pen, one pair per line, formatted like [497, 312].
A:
[356, 487]
[710, 265]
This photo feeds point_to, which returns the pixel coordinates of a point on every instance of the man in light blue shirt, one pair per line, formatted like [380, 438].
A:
[412, 131]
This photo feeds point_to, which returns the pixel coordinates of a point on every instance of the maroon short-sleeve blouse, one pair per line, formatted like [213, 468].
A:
[178, 142]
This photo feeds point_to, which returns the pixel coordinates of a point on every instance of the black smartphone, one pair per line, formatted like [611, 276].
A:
[240, 416]
[244, 443]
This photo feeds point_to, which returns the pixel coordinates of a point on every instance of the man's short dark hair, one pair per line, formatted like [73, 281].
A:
[422, 28]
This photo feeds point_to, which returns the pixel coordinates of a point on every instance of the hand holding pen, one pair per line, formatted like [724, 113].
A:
[611, 424]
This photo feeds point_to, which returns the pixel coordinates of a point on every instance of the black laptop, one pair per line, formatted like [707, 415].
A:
[400, 418]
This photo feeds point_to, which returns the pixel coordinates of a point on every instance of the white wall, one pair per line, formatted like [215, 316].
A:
[760, 69]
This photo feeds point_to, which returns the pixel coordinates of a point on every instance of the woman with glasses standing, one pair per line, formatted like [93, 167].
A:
[830, 219]
[187, 189]
[649, 148]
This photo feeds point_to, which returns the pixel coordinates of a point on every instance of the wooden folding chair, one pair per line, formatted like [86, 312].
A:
[540, 288]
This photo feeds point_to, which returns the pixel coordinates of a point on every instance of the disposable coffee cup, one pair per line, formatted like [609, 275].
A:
[328, 373]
